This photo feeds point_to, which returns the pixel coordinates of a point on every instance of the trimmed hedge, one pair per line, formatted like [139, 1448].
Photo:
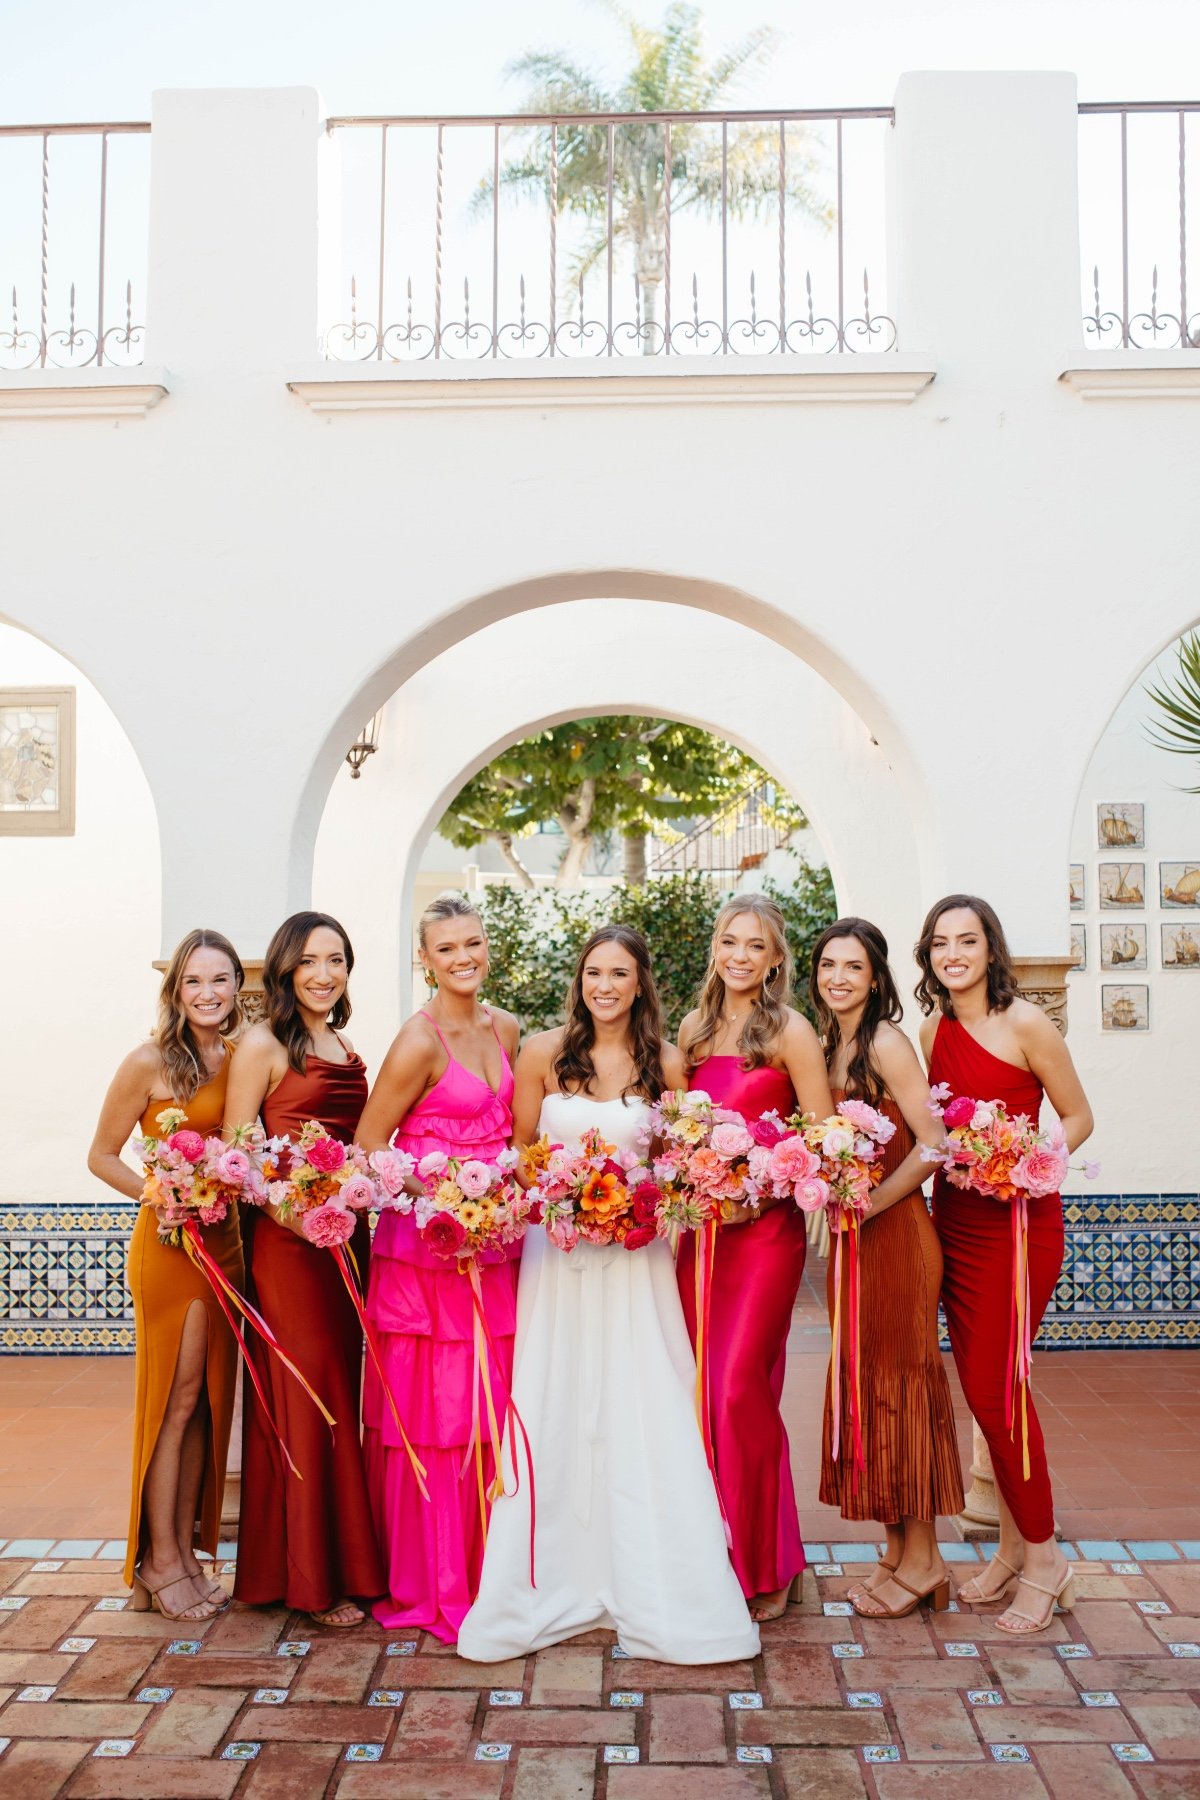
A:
[536, 936]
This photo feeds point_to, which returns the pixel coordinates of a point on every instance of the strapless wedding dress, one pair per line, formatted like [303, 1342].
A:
[629, 1532]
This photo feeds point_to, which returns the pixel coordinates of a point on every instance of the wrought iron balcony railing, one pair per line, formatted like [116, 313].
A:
[1142, 149]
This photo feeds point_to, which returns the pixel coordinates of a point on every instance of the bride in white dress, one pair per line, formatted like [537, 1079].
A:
[629, 1532]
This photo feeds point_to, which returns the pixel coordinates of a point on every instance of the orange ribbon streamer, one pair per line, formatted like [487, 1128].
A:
[1020, 1334]
[481, 1373]
[846, 1224]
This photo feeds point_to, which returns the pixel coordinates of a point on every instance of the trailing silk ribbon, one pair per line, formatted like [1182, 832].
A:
[481, 1376]
[345, 1258]
[227, 1298]
[1020, 1334]
[705, 1258]
[845, 1226]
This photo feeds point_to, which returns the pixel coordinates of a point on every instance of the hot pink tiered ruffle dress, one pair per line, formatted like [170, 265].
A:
[421, 1309]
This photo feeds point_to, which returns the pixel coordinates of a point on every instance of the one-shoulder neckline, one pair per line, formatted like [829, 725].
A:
[1017, 1068]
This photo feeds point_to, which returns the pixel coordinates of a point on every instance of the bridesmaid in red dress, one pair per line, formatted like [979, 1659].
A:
[750, 1050]
[307, 1544]
[985, 1042]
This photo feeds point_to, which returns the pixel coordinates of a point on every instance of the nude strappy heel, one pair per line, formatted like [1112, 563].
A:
[1062, 1596]
[858, 1587]
[937, 1597]
[1001, 1591]
[146, 1599]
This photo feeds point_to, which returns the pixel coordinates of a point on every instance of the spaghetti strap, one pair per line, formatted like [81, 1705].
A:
[437, 1028]
[491, 1021]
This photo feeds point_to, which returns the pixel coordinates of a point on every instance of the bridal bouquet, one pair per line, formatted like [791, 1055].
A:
[1009, 1159]
[193, 1178]
[470, 1205]
[706, 1160]
[594, 1193]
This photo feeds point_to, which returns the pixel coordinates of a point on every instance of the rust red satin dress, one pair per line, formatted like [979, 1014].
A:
[976, 1239]
[306, 1543]
[909, 1441]
[756, 1277]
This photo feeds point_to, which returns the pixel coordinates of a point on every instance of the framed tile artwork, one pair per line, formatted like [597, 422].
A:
[1124, 1008]
[1122, 946]
[1078, 888]
[1120, 825]
[1078, 946]
[37, 762]
[1179, 884]
[1122, 885]
[1180, 946]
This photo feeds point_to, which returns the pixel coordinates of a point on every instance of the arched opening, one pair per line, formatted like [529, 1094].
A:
[587, 658]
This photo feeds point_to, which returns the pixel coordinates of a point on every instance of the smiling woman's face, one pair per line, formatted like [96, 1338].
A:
[609, 983]
[455, 952]
[958, 950]
[319, 978]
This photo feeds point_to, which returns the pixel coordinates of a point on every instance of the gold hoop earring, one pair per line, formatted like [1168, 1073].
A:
[431, 981]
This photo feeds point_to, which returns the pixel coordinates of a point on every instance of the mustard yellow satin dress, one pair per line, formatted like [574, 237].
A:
[164, 1283]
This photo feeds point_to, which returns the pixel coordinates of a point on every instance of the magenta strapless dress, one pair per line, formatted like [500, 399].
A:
[421, 1309]
[756, 1277]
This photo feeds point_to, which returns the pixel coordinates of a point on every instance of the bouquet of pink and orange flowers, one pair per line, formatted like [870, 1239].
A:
[326, 1183]
[595, 1194]
[194, 1179]
[1007, 1158]
[470, 1206]
[706, 1160]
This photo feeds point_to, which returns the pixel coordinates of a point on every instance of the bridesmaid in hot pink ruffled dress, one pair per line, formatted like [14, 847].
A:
[753, 1052]
[446, 1084]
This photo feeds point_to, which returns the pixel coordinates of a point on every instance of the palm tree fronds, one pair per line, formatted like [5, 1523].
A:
[1178, 726]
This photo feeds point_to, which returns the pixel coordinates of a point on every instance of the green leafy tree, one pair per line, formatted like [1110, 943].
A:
[597, 776]
[668, 72]
[1178, 704]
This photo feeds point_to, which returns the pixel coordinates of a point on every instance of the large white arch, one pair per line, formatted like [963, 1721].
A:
[584, 658]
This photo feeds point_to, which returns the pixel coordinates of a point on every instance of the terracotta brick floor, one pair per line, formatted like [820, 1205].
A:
[98, 1701]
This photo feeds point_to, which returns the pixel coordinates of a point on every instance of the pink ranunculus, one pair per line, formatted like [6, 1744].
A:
[393, 1168]
[812, 1194]
[359, 1194]
[731, 1140]
[645, 1200]
[768, 1131]
[234, 1167]
[327, 1225]
[214, 1214]
[1042, 1170]
[474, 1178]
[640, 1236]
[188, 1144]
[444, 1234]
[326, 1155]
[792, 1161]
[432, 1164]
[838, 1141]
[960, 1112]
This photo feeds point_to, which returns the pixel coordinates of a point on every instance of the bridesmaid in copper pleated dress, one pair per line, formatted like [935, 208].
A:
[751, 1051]
[913, 1471]
[186, 1370]
[307, 1544]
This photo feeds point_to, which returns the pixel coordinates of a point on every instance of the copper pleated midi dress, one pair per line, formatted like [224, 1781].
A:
[164, 1283]
[909, 1441]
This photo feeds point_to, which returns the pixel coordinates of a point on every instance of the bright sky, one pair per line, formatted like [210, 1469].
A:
[82, 60]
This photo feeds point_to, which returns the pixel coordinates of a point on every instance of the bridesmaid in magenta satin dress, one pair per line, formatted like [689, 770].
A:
[748, 1048]
[446, 1084]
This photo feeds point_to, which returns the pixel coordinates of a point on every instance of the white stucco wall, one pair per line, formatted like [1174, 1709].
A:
[246, 576]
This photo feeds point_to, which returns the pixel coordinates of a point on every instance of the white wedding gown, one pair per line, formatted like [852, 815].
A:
[629, 1532]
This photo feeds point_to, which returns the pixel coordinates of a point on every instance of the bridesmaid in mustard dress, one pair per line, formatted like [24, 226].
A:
[186, 1366]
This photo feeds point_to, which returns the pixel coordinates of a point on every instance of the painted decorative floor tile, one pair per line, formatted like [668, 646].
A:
[492, 1752]
[293, 1647]
[754, 1753]
[1184, 1649]
[1157, 1608]
[1099, 1697]
[881, 1753]
[408, 1648]
[621, 1753]
[838, 1609]
[746, 1702]
[77, 1646]
[618, 1655]
[504, 1697]
[985, 1696]
[1009, 1753]
[45, 1568]
[844, 1651]
[387, 1697]
[110, 1605]
[154, 1696]
[626, 1697]
[185, 1647]
[864, 1697]
[114, 1747]
[1126, 1568]
[1072, 1652]
[240, 1752]
[962, 1649]
[37, 1693]
[13, 1602]
[270, 1696]
[1132, 1753]
[364, 1753]
[827, 1568]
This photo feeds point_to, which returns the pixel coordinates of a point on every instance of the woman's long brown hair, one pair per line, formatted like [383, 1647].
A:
[1002, 987]
[574, 1069]
[768, 1016]
[280, 964]
[863, 1080]
[182, 1064]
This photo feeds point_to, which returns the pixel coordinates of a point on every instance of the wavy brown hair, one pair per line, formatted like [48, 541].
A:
[1002, 987]
[574, 1069]
[768, 1016]
[279, 965]
[863, 1080]
[181, 1060]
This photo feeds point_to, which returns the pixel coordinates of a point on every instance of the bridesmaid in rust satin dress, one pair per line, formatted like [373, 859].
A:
[747, 1048]
[307, 1544]
[910, 1446]
[987, 1043]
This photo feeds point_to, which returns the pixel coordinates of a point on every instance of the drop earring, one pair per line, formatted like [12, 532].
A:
[431, 981]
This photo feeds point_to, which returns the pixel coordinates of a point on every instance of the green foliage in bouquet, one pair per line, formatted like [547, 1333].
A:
[536, 937]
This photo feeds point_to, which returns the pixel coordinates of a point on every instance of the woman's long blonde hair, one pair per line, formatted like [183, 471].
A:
[183, 1066]
[763, 1028]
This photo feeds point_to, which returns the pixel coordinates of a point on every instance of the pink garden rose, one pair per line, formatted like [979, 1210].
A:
[432, 1164]
[214, 1214]
[960, 1112]
[792, 1161]
[731, 1140]
[444, 1234]
[188, 1144]
[1042, 1170]
[393, 1168]
[811, 1194]
[646, 1199]
[875, 1124]
[327, 1225]
[474, 1178]
[326, 1155]
[234, 1167]
[768, 1131]
[358, 1194]
[640, 1236]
